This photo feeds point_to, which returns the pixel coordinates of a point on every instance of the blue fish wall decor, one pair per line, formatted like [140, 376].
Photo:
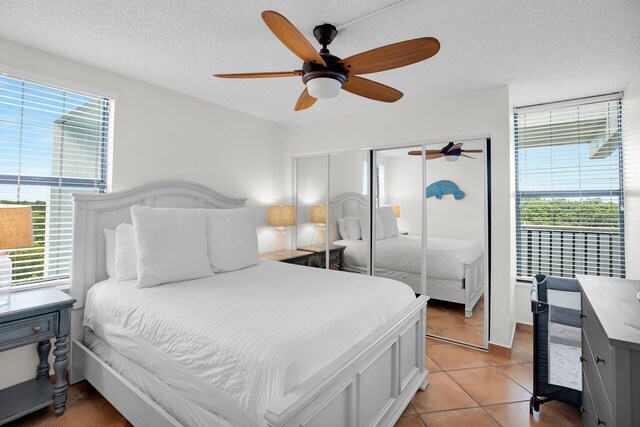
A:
[442, 188]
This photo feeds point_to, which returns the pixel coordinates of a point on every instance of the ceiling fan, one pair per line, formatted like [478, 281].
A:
[325, 74]
[451, 152]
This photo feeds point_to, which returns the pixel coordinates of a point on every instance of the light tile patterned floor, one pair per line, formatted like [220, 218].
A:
[467, 388]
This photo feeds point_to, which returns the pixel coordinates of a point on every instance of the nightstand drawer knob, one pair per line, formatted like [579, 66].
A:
[37, 329]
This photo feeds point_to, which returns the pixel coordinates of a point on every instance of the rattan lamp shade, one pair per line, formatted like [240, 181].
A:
[281, 216]
[319, 214]
[16, 230]
[396, 210]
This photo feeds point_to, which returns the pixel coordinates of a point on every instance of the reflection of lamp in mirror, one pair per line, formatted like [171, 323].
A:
[319, 218]
[396, 210]
[281, 217]
[16, 231]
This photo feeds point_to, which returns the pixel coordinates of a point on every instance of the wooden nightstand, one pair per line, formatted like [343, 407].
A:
[31, 317]
[319, 258]
[289, 256]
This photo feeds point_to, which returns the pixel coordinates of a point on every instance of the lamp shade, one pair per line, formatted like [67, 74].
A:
[16, 230]
[319, 214]
[396, 210]
[324, 87]
[281, 216]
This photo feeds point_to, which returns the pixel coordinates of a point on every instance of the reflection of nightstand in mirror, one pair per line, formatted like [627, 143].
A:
[289, 256]
[319, 257]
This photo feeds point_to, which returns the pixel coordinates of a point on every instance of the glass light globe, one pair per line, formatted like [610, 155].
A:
[323, 87]
[451, 158]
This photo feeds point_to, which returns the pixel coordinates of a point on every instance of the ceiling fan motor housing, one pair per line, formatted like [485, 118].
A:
[333, 70]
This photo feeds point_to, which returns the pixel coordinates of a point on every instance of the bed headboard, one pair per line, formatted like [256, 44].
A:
[346, 204]
[94, 212]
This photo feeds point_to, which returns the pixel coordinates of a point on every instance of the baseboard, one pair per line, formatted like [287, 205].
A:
[499, 350]
[524, 327]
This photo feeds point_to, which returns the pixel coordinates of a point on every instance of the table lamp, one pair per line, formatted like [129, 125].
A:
[319, 218]
[280, 217]
[16, 231]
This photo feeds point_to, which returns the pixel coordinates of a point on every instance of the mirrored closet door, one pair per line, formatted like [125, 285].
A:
[457, 224]
[416, 214]
[311, 200]
[349, 201]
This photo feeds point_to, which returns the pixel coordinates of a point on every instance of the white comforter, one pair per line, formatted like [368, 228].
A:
[248, 336]
[445, 257]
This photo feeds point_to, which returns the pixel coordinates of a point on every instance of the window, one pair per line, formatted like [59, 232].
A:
[569, 189]
[53, 142]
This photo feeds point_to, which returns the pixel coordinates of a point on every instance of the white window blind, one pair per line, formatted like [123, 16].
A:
[569, 189]
[53, 142]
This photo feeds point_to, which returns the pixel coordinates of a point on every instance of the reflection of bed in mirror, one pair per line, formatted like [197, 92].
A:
[455, 267]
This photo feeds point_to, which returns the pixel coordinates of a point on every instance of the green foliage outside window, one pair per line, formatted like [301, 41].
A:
[569, 213]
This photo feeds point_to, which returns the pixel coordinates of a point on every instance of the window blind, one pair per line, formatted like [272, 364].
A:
[569, 188]
[53, 142]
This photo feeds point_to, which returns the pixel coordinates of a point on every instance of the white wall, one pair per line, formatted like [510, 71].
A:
[631, 148]
[160, 134]
[462, 116]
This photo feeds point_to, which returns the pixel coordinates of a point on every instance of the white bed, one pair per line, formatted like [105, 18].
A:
[454, 267]
[251, 347]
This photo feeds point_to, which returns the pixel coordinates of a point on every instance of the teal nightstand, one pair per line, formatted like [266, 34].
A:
[36, 316]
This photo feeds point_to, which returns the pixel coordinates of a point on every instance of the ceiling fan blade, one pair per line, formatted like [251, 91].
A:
[293, 39]
[305, 101]
[464, 155]
[432, 156]
[260, 75]
[471, 151]
[455, 146]
[372, 90]
[392, 56]
[419, 152]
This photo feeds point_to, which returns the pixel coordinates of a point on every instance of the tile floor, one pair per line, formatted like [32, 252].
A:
[474, 388]
[467, 388]
[446, 319]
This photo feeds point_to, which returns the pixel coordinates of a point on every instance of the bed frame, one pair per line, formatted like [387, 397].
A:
[370, 385]
[467, 291]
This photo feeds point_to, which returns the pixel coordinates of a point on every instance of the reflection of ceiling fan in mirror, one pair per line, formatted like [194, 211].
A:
[450, 152]
[325, 74]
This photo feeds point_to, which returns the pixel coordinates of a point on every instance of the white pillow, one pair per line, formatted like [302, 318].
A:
[110, 248]
[353, 228]
[233, 241]
[342, 228]
[126, 256]
[171, 245]
[363, 216]
[389, 221]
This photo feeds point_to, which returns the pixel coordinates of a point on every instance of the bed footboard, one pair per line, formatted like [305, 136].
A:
[368, 386]
[474, 284]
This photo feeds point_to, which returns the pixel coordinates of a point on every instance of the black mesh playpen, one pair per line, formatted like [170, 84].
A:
[557, 344]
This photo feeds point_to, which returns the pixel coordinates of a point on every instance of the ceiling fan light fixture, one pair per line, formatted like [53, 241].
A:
[324, 87]
[451, 158]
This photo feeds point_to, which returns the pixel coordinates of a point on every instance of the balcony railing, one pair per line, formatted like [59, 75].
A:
[567, 251]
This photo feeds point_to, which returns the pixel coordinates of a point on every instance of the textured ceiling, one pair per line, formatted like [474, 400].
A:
[545, 50]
